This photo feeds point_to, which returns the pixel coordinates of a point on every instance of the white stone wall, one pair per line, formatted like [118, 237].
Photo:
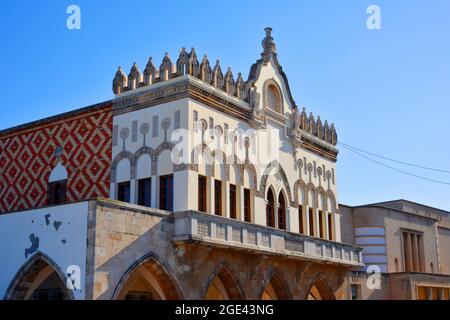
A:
[61, 232]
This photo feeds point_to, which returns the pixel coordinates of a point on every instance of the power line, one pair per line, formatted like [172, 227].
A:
[395, 169]
[393, 160]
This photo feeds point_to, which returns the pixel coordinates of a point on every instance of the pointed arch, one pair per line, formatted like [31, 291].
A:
[320, 289]
[331, 202]
[300, 187]
[202, 150]
[150, 278]
[252, 173]
[275, 288]
[321, 198]
[220, 159]
[115, 163]
[311, 195]
[35, 272]
[140, 155]
[276, 165]
[222, 285]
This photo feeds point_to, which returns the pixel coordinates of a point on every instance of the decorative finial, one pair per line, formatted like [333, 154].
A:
[268, 45]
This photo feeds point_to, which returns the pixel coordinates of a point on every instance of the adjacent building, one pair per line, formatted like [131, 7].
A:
[408, 242]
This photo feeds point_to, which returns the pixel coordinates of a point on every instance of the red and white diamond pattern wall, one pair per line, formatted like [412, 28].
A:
[28, 156]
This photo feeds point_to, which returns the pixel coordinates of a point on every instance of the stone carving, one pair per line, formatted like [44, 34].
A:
[145, 128]
[205, 70]
[149, 72]
[134, 78]
[229, 82]
[165, 123]
[183, 63]
[268, 45]
[256, 115]
[165, 70]
[119, 81]
[124, 133]
[217, 76]
[193, 63]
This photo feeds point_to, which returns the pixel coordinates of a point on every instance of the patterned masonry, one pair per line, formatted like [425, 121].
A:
[27, 157]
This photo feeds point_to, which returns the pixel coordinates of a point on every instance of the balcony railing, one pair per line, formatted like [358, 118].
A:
[194, 226]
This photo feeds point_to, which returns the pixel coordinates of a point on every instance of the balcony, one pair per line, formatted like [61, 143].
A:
[196, 227]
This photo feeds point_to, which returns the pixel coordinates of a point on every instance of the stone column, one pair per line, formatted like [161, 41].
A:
[154, 192]
[337, 227]
[415, 253]
[133, 191]
[307, 229]
[429, 293]
[226, 198]
[441, 294]
[318, 223]
[276, 207]
[240, 202]
[210, 194]
[408, 252]
[327, 227]
[112, 190]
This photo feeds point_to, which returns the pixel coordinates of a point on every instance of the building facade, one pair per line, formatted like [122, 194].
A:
[188, 184]
[408, 242]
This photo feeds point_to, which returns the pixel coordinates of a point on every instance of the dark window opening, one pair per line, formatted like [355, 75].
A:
[138, 295]
[123, 192]
[233, 201]
[56, 193]
[270, 209]
[145, 187]
[330, 227]
[247, 214]
[282, 212]
[355, 290]
[301, 226]
[166, 192]
[218, 197]
[311, 222]
[321, 225]
[202, 193]
[48, 294]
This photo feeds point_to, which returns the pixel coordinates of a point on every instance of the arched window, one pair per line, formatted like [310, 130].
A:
[57, 185]
[281, 212]
[273, 98]
[270, 209]
[396, 265]
[431, 267]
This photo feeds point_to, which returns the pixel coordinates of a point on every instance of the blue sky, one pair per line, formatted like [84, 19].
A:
[387, 91]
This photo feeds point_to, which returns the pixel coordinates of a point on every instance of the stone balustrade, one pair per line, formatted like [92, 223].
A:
[191, 226]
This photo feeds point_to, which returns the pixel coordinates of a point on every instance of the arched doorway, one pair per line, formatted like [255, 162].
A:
[39, 279]
[147, 280]
[275, 289]
[320, 290]
[223, 287]
[270, 209]
[281, 212]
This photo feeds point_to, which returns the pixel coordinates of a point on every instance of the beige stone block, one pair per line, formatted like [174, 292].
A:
[115, 236]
